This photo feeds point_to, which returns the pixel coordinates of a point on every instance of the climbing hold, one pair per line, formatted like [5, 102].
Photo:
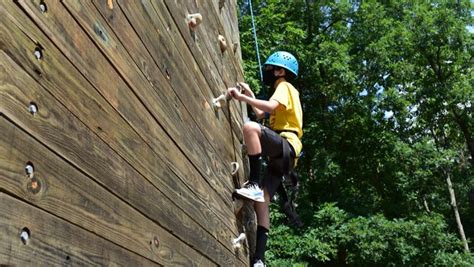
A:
[25, 235]
[194, 20]
[33, 108]
[42, 7]
[29, 169]
[236, 243]
[235, 168]
[216, 102]
[222, 43]
[110, 4]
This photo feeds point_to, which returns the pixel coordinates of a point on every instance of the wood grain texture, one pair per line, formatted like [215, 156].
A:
[67, 193]
[57, 127]
[124, 109]
[212, 65]
[187, 84]
[158, 97]
[151, 115]
[53, 241]
[140, 155]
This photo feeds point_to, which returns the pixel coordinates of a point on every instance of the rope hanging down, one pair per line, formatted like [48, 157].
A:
[254, 30]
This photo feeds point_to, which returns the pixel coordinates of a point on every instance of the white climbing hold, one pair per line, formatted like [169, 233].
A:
[235, 168]
[236, 243]
[194, 20]
[217, 102]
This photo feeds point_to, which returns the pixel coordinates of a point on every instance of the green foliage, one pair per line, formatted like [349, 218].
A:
[387, 93]
[335, 237]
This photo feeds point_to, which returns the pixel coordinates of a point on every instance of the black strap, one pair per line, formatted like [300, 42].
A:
[287, 161]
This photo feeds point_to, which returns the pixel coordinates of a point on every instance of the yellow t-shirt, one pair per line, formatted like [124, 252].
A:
[289, 114]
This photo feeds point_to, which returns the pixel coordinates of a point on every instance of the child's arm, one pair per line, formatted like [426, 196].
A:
[258, 106]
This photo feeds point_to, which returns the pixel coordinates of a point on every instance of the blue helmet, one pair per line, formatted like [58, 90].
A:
[285, 60]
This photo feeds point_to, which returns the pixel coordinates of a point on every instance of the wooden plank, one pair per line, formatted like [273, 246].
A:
[159, 99]
[96, 123]
[223, 24]
[216, 24]
[164, 53]
[57, 127]
[150, 27]
[78, 48]
[184, 75]
[176, 26]
[210, 65]
[67, 193]
[173, 118]
[159, 52]
[96, 158]
[54, 242]
[229, 14]
[209, 30]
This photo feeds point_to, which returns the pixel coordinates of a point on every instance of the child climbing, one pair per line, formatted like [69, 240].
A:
[280, 143]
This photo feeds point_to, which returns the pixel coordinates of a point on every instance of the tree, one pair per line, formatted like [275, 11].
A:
[387, 96]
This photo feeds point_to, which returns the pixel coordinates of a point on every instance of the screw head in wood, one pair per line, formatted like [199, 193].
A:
[29, 169]
[25, 235]
[42, 7]
[156, 241]
[38, 54]
[235, 46]
[32, 108]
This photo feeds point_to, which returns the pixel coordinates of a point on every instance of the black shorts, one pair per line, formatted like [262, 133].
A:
[272, 147]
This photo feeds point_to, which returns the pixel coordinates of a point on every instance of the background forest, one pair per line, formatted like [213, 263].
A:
[387, 175]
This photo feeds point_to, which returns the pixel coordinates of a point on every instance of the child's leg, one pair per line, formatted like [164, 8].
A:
[263, 222]
[262, 211]
[251, 189]
[252, 132]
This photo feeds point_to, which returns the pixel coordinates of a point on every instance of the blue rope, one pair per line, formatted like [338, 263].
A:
[256, 41]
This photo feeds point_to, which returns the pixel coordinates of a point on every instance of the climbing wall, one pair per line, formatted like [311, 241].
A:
[111, 151]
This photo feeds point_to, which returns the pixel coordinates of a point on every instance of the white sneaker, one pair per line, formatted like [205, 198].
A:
[251, 191]
[259, 263]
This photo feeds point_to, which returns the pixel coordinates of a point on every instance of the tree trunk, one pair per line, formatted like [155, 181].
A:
[463, 125]
[425, 203]
[456, 212]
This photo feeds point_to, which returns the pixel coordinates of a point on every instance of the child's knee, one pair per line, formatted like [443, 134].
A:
[251, 127]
